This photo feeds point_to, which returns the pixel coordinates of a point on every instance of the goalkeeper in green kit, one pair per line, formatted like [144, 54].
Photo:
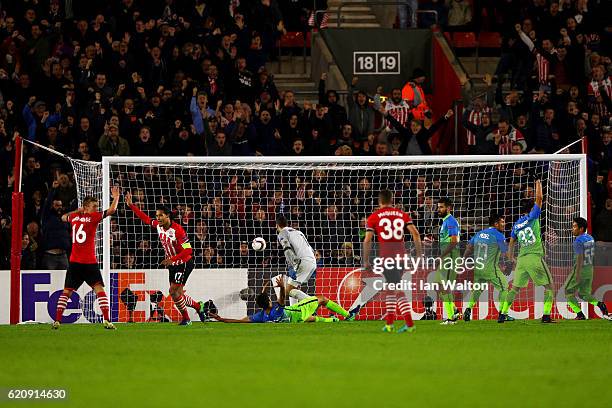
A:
[530, 262]
[302, 311]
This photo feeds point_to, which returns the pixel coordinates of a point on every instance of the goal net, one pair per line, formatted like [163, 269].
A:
[224, 203]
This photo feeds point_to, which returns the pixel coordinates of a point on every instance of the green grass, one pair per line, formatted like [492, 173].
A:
[476, 364]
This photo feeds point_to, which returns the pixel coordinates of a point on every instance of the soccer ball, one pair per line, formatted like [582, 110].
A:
[258, 244]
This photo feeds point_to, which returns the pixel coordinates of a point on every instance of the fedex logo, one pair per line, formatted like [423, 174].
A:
[40, 292]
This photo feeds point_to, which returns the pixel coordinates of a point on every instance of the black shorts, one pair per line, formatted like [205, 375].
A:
[393, 275]
[180, 273]
[78, 273]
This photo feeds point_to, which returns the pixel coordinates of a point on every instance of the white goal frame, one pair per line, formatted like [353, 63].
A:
[331, 160]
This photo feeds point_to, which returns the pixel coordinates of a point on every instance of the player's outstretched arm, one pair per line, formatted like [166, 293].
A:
[416, 237]
[144, 217]
[115, 192]
[539, 196]
[280, 283]
[225, 320]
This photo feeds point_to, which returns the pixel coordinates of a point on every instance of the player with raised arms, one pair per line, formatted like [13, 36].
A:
[83, 265]
[530, 262]
[302, 311]
[581, 278]
[179, 258]
[488, 246]
[449, 254]
[389, 224]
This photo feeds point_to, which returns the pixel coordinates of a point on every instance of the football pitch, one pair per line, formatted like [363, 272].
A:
[353, 364]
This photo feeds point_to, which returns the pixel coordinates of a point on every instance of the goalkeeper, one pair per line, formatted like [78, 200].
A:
[302, 311]
[487, 245]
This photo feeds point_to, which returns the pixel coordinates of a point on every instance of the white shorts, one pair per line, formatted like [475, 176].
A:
[303, 273]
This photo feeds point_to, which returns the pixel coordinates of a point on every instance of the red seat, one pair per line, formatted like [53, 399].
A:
[464, 40]
[489, 40]
[294, 39]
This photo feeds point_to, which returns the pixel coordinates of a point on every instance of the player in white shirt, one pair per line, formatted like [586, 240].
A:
[300, 256]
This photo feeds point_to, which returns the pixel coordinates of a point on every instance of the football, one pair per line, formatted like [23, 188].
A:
[258, 244]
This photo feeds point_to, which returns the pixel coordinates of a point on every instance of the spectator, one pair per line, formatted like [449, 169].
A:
[415, 141]
[504, 136]
[28, 255]
[347, 256]
[361, 115]
[55, 240]
[459, 15]
[329, 99]
[111, 144]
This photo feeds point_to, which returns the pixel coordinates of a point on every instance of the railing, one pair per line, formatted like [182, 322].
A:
[369, 3]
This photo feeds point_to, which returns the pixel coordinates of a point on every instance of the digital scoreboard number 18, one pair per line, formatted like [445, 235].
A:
[376, 62]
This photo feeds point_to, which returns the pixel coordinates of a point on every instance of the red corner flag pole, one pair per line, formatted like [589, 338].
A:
[17, 228]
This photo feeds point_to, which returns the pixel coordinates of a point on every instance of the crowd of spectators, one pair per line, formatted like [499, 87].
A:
[172, 78]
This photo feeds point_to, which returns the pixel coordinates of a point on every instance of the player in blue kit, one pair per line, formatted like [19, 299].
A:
[581, 278]
[489, 247]
[449, 255]
[302, 311]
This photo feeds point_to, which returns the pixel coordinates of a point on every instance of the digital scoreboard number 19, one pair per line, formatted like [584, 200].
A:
[376, 62]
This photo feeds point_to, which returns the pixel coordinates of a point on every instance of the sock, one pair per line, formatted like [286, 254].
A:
[297, 294]
[474, 298]
[334, 307]
[61, 306]
[573, 303]
[509, 299]
[320, 319]
[548, 301]
[405, 310]
[390, 306]
[181, 304]
[192, 303]
[103, 303]
[449, 306]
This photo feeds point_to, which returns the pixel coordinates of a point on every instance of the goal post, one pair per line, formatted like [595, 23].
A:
[223, 203]
[317, 194]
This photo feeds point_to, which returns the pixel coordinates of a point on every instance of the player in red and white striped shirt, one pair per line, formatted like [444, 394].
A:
[179, 257]
[83, 262]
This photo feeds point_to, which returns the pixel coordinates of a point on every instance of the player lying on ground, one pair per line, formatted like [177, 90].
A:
[488, 247]
[83, 265]
[530, 262]
[449, 250]
[302, 311]
[581, 278]
[179, 258]
[389, 225]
